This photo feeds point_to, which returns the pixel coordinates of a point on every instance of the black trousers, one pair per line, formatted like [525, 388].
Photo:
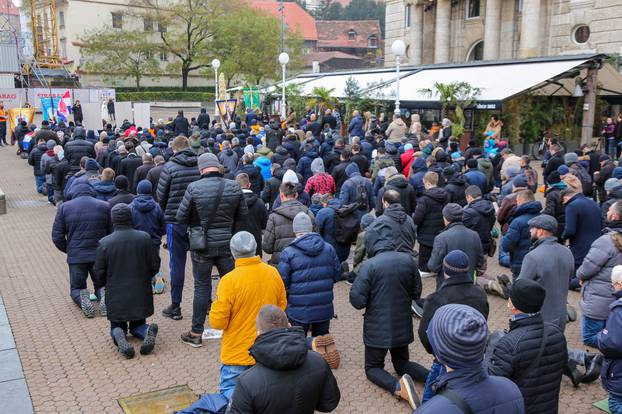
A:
[424, 255]
[375, 372]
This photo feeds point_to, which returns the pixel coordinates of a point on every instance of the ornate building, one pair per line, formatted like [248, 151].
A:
[442, 31]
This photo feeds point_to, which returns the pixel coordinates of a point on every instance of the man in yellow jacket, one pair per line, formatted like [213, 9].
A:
[241, 293]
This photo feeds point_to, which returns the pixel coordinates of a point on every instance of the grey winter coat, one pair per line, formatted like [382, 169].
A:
[552, 265]
[279, 232]
[595, 272]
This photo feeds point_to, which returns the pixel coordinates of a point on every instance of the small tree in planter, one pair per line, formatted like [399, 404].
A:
[459, 95]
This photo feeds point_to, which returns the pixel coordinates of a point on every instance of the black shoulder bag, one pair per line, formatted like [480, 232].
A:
[197, 235]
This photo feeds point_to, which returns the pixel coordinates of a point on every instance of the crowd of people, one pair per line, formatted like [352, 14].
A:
[405, 202]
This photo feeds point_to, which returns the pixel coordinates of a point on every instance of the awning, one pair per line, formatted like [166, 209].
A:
[498, 80]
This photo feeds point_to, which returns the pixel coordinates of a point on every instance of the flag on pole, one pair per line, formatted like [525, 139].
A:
[64, 107]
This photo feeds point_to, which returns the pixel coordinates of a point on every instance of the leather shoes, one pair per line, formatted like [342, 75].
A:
[593, 364]
[571, 371]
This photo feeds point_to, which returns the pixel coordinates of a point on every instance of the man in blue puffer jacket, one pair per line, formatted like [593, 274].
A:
[517, 241]
[309, 267]
[355, 129]
[357, 189]
[78, 226]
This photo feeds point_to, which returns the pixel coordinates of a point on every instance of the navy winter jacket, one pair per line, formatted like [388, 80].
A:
[148, 217]
[80, 223]
[325, 222]
[356, 127]
[583, 226]
[610, 344]
[309, 268]
[478, 178]
[349, 188]
[304, 165]
[104, 190]
[517, 240]
[419, 169]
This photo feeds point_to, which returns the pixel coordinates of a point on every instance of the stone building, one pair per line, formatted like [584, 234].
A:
[442, 31]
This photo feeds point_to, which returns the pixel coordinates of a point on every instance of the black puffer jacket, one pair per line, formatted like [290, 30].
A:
[479, 216]
[555, 207]
[256, 219]
[287, 378]
[386, 285]
[458, 289]
[428, 215]
[34, 158]
[199, 201]
[408, 198]
[254, 175]
[404, 230]
[279, 232]
[180, 170]
[455, 187]
[515, 351]
[78, 148]
[271, 188]
[280, 156]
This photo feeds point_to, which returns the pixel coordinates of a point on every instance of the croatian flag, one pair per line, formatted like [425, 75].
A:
[64, 107]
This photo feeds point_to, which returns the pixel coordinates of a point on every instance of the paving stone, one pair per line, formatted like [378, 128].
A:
[4, 320]
[6, 338]
[15, 398]
[10, 366]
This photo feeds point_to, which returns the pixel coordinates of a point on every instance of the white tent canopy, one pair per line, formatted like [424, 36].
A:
[497, 81]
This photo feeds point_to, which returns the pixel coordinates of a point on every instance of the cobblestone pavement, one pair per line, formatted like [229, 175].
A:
[71, 365]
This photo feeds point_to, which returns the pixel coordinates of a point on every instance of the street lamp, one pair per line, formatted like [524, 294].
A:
[398, 48]
[283, 60]
[215, 65]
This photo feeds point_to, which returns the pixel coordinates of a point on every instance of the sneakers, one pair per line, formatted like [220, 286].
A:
[158, 284]
[325, 346]
[149, 341]
[416, 309]
[85, 304]
[193, 341]
[124, 347]
[505, 282]
[408, 392]
[425, 275]
[173, 312]
[103, 311]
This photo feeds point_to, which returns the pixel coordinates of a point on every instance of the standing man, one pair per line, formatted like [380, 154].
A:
[125, 263]
[3, 121]
[550, 264]
[78, 226]
[213, 204]
[177, 174]
[257, 218]
[110, 107]
[241, 294]
[386, 285]
[533, 353]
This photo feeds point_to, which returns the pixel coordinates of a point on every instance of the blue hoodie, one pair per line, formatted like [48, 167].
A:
[264, 165]
[351, 188]
[148, 217]
[419, 168]
[104, 190]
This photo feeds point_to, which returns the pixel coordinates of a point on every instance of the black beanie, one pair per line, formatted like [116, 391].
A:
[472, 163]
[527, 295]
[121, 214]
[554, 178]
[121, 182]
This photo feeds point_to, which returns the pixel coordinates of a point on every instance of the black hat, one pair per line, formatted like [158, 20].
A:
[527, 295]
[472, 163]
[121, 182]
[121, 214]
[452, 212]
[554, 178]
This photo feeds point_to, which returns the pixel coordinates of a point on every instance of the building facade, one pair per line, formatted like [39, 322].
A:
[452, 31]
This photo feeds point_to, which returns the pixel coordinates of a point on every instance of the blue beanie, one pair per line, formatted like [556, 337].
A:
[455, 263]
[563, 170]
[366, 220]
[458, 334]
[144, 187]
[91, 165]
[352, 168]
[617, 173]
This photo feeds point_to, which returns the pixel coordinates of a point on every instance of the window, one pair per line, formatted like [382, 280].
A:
[519, 6]
[163, 57]
[63, 47]
[161, 28]
[581, 34]
[372, 41]
[117, 20]
[61, 20]
[351, 34]
[476, 52]
[407, 16]
[472, 9]
[148, 24]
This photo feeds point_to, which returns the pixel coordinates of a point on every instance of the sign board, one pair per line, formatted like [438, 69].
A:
[142, 115]
[92, 113]
[123, 111]
[12, 98]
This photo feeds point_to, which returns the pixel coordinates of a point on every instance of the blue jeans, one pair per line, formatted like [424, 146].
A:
[612, 149]
[177, 240]
[229, 377]
[504, 257]
[50, 193]
[590, 329]
[136, 328]
[615, 404]
[39, 183]
[435, 371]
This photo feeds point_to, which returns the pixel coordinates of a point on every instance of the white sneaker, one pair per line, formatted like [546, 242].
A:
[426, 274]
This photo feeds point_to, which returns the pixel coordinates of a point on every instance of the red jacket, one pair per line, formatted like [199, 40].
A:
[407, 160]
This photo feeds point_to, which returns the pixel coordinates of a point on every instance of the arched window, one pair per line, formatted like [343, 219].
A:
[476, 52]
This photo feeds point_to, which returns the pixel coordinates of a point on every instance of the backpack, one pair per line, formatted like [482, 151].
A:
[346, 223]
[362, 196]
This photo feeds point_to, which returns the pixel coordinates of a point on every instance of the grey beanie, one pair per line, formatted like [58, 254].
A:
[242, 245]
[544, 222]
[302, 223]
[611, 183]
[317, 166]
[571, 158]
[452, 212]
[121, 214]
[50, 144]
[208, 160]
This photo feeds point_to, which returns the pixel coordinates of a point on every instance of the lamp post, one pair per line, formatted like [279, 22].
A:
[283, 60]
[215, 65]
[398, 48]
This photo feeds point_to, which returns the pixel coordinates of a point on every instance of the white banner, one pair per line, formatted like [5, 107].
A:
[13, 98]
[92, 113]
[100, 95]
[142, 115]
[123, 111]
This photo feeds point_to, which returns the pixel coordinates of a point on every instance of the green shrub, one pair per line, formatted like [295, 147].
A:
[171, 96]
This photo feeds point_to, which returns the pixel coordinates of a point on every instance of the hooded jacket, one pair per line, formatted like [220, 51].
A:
[254, 175]
[309, 267]
[104, 190]
[386, 285]
[177, 174]
[352, 189]
[79, 225]
[304, 165]
[264, 165]
[583, 225]
[396, 130]
[517, 240]
[255, 221]
[408, 199]
[419, 169]
[404, 229]
[485, 166]
[148, 217]
[455, 187]
[407, 159]
[280, 155]
[428, 215]
[476, 177]
[287, 378]
[279, 232]
[480, 217]
[325, 222]
[610, 344]
[555, 207]
[229, 159]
